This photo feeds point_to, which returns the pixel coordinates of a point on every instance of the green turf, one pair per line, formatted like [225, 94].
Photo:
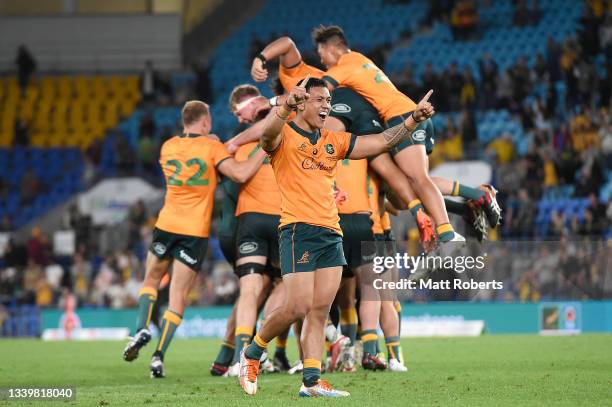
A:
[489, 370]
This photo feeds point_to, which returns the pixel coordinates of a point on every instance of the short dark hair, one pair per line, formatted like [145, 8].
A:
[313, 83]
[193, 111]
[326, 33]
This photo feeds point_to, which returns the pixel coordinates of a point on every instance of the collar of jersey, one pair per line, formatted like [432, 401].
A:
[312, 137]
[191, 135]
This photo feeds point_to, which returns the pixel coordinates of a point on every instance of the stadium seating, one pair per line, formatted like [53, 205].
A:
[499, 38]
[66, 111]
[64, 115]
[59, 171]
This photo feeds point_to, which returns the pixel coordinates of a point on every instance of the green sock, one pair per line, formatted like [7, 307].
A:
[256, 348]
[458, 208]
[241, 340]
[312, 372]
[348, 323]
[281, 345]
[467, 192]
[225, 355]
[170, 322]
[393, 347]
[415, 206]
[445, 232]
[369, 337]
[146, 301]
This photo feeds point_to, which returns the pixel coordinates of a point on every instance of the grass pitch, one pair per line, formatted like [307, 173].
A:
[488, 370]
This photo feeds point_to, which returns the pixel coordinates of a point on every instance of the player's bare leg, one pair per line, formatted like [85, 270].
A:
[414, 163]
[326, 284]
[482, 197]
[344, 359]
[183, 278]
[254, 288]
[369, 316]
[384, 166]
[276, 300]
[299, 289]
[389, 324]
[155, 269]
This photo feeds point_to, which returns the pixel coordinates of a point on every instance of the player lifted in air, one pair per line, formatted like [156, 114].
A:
[350, 68]
[190, 162]
[304, 157]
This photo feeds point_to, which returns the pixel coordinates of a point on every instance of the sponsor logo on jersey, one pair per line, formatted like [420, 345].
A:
[312, 164]
[187, 257]
[376, 123]
[159, 248]
[341, 108]
[302, 147]
[248, 247]
[419, 135]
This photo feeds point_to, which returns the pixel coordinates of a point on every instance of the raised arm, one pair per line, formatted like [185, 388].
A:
[252, 133]
[242, 171]
[284, 48]
[271, 137]
[374, 144]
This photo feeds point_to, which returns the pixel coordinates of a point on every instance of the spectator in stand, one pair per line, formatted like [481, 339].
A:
[467, 96]
[6, 225]
[453, 82]
[30, 187]
[501, 149]
[535, 13]
[469, 133]
[137, 217]
[149, 82]
[488, 82]
[26, 66]
[22, 133]
[521, 81]
[540, 69]
[203, 85]
[464, 20]
[37, 252]
[81, 272]
[505, 90]
[553, 57]
[521, 16]
[406, 83]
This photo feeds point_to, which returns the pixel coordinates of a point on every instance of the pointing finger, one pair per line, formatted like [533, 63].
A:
[305, 81]
[426, 97]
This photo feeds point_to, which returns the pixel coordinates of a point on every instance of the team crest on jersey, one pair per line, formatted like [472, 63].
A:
[329, 149]
[419, 135]
[341, 108]
[248, 247]
[159, 248]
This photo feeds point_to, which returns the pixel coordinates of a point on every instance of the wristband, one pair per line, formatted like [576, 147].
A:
[282, 113]
[263, 59]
